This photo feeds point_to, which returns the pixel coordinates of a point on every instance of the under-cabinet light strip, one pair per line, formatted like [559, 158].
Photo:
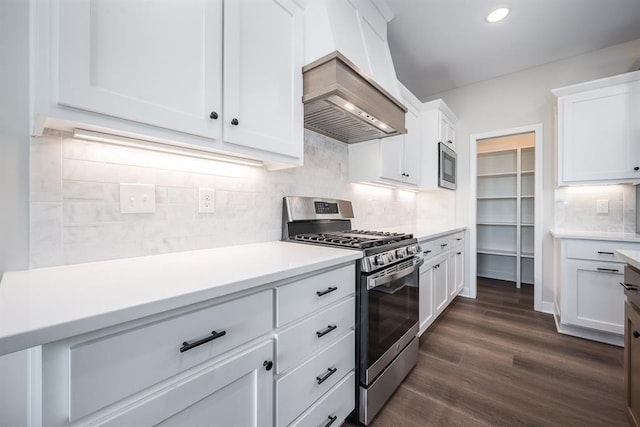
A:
[89, 135]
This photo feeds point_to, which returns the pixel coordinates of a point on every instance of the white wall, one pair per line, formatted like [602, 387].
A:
[525, 98]
[14, 187]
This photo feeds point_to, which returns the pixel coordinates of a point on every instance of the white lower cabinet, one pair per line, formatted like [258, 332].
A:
[222, 361]
[593, 295]
[589, 298]
[441, 275]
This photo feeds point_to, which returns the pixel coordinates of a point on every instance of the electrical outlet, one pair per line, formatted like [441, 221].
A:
[206, 200]
[602, 206]
[137, 198]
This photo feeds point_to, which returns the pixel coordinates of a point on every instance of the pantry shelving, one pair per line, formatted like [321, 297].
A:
[505, 211]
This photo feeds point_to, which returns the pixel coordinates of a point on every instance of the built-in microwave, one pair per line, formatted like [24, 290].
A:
[446, 167]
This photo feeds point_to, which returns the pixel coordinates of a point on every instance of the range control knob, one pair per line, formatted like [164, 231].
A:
[380, 260]
[413, 249]
[401, 253]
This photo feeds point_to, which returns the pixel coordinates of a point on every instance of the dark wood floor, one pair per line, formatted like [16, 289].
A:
[494, 361]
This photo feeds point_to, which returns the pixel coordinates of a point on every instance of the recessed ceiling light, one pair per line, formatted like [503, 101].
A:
[497, 15]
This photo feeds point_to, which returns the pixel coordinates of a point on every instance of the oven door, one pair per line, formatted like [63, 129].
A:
[446, 167]
[388, 316]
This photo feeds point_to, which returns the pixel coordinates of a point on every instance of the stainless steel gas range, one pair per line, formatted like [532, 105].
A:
[387, 286]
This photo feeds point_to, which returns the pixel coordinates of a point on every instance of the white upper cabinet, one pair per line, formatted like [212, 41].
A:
[599, 131]
[220, 75]
[409, 160]
[151, 62]
[394, 160]
[263, 51]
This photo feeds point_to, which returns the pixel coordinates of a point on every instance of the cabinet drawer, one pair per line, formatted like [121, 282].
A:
[297, 390]
[337, 404]
[109, 368]
[434, 247]
[308, 337]
[597, 250]
[313, 293]
[456, 239]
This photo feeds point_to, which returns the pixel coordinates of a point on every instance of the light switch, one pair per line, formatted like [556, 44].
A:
[137, 198]
[602, 206]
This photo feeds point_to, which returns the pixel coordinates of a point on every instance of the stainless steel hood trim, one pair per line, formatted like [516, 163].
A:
[346, 104]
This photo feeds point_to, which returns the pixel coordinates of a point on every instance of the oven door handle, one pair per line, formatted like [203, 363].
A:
[375, 282]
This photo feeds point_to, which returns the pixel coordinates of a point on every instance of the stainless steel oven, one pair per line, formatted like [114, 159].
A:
[387, 338]
[387, 293]
[447, 172]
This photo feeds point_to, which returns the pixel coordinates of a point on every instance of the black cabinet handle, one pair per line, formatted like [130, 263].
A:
[323, 378]
[458, 238]
[214, 335]
[426, 252]
[234, 122]
[636, 334]
[443, 245]
[459, 253]
[331, 420]
[628, 287]
[606, 253]
[613, 270]
[637, 168]
[327, 291]
[450, 141]
[268, 364]
[213, 115]
[325, 331]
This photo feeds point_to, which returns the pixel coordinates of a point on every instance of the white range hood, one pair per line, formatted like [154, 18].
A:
[351, 90]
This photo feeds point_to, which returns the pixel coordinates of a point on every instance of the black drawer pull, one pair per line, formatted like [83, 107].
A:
[214, 335]
[323, 378]
[636, 334]
[443, 245]
[268, 365]
[606, 253]
[426, 252]
[613, 270]
[459, 253]
[331, 420]
[458, 238]
[328, 290]
[324, 332]
[628, 287]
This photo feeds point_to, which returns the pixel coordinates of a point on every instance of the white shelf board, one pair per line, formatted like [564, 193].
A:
[508, 224]
[497, 252]
[527, 172]
[526, 255]
[527, 197]
[527, 224]
[496, 197]
[491, 175]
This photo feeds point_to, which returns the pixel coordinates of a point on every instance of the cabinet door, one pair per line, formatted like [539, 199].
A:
[447, 131]
[458, 256]
[440, 291]
[157, 63]
[594, 297]
[427, 306]
[411, 152]
[632, 364]
[391, 156]
[237, 392]
[598, 139]
[263, 54]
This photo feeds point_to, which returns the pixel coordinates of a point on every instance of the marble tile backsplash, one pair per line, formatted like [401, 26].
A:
[75, 211]
[575, 208]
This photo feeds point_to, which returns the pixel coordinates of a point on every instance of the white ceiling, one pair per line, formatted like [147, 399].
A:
[438, 45]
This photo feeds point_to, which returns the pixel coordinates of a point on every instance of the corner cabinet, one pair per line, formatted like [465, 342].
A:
[252, 359]
[598, 133]
[218, 75]
[410, 160]
[441, 275]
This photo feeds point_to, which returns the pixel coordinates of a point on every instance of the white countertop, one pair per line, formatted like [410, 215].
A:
[47, 304]
[596, 235]
[425, 231]
[630, 257]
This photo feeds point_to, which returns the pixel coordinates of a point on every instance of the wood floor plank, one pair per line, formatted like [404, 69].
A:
[494, 361]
